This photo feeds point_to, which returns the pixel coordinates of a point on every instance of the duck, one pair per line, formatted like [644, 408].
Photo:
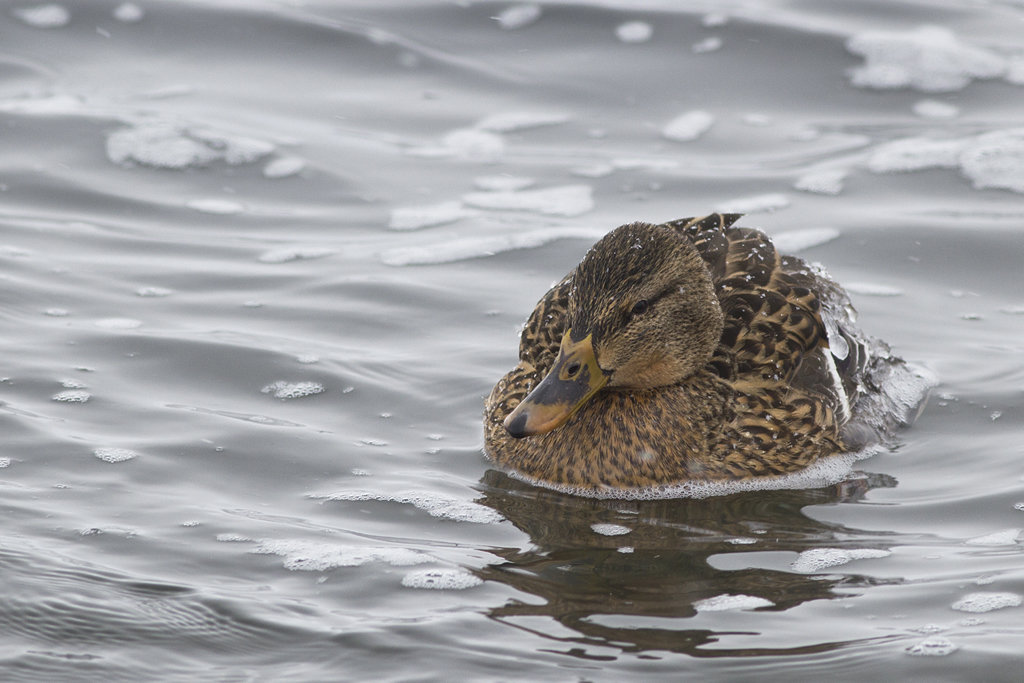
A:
[690, 350]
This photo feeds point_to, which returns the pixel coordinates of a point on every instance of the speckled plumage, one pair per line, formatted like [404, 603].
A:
[767, 398]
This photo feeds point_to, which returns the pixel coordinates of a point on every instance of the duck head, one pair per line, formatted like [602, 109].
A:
[642, 313]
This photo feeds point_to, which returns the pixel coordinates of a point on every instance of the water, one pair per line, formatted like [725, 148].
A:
[262, 261]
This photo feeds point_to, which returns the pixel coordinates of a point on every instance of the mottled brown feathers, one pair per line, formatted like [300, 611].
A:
[751, 390]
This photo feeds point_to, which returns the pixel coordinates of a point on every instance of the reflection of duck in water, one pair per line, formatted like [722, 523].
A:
[633, 575]
[690, 350]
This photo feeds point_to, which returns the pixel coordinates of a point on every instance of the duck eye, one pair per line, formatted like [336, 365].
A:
[639, 308]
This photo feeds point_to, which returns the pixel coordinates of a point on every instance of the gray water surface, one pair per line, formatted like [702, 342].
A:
[261, 262]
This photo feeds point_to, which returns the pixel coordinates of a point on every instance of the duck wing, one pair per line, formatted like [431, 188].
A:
[785, 322]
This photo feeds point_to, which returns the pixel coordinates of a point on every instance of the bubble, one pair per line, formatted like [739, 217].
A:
[634, 32]
[284, 167]
[518, 16]
[709, 44]
[218, 207]
[728, 602]
[688, 126]
[171, 146]
[827, 181]
[418, 217]
[932, 647]
[934, 109]
[72, 396]
[816, 559]
[928, 58]
[1002, 537]
[153, 292]
[118, 323]
[115, 454]
[762, 203]
[320, 555]
[502, 183]
[289, 390]
[441, 579]
[128, 13]
[986, 602]
[286, 254]
[436, 505]
[44, 16]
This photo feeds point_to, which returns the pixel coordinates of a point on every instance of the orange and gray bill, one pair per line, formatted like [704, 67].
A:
[575, 377]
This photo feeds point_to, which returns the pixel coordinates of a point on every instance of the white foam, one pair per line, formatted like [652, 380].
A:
[932, 647]
[434, 504]
[441, 579]
[610, 529]
[995, 160]
[295, 253]
[872, 289]
[217, 207]
[928, 58]
[417, 217]
[990, 160]
[644, 164]
[709, 44]
[1001, 537]
[129, 13]
[510, 121]
[477, 247]
[688, 126]
[715, 19]
[284, 167]
[826, 472]
[755, 204]
[287, 390]
[934, 109]
[45, 105]
[502, 183]
[118, 323]
[564, 200]
[115, 454]
[233, 538]
[72, 396]
[465, 143]
[153, 292]
[518, 16]
[915, 154]
[318, 556]
[5, 463]
[816, 559]
[165, 145]
[43, 16]
[729, 602]
[634, 32]
[986, 602]
[826, 181]
[57, 312]
[798, 240]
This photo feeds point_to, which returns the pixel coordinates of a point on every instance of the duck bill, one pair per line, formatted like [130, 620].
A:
[575, 377]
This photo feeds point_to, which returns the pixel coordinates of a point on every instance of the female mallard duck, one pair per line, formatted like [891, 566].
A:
[690, 350]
